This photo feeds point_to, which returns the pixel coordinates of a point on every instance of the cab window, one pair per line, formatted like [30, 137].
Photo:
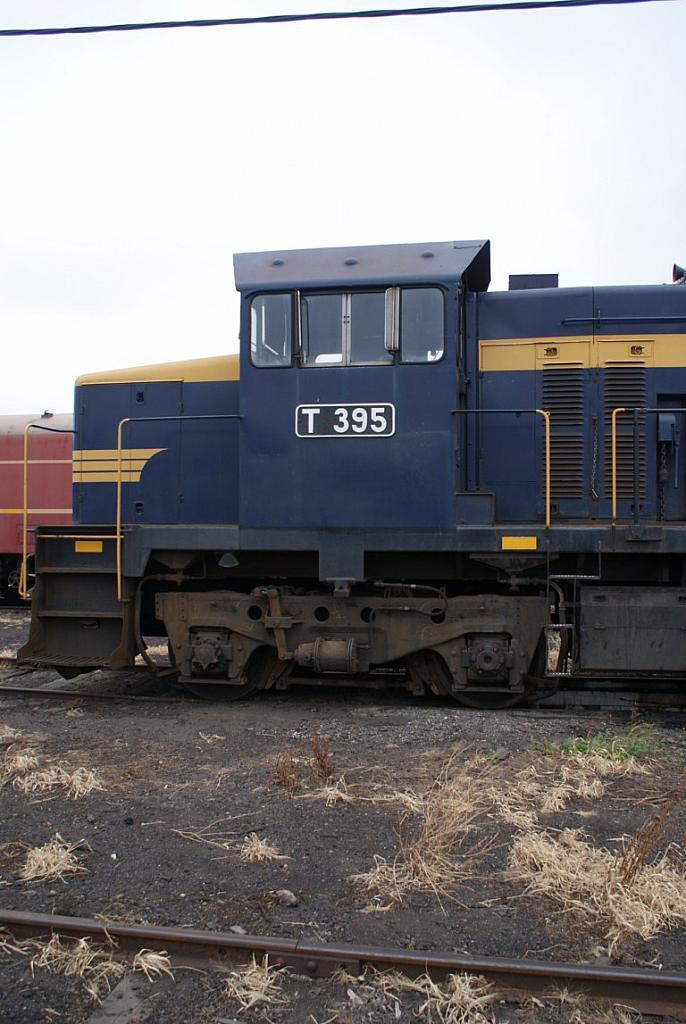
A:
[421, 325]
[271, 330]
[321, 327]
[368, 328]
[344, 329]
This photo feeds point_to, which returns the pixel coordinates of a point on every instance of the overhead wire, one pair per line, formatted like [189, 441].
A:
[280, 19]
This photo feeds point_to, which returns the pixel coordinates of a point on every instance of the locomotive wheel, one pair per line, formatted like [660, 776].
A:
[255, 677]
[429, 669]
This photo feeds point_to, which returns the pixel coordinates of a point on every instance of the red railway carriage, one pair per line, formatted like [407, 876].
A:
[48, 485]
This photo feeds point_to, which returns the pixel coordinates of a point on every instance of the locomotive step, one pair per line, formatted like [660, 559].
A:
[76, 570]
[88, 614]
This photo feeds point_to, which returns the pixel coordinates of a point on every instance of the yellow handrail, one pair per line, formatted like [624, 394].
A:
[615, 413]
[120, 430]
[518, 412]
[546, 417]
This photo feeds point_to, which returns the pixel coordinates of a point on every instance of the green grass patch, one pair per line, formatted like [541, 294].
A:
[637, 743]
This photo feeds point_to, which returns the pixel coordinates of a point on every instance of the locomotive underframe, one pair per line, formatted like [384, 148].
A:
[480, 642]
[457, 621]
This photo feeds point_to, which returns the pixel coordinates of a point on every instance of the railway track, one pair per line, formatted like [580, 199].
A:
[644, 696]
[42, 691]
[50, 692]
[648, 991]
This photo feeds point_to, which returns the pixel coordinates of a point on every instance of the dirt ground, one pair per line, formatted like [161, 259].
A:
[438, 798]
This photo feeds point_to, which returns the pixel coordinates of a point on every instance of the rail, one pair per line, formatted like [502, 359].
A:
[23, 574]
[637, 411]
[653, 991]
[518, 412]
[120, 433]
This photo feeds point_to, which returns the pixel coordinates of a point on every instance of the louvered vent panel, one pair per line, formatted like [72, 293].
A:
[625, 386]
[563, 398]
[566, 466]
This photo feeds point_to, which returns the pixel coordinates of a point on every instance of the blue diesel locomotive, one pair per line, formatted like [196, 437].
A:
[401, 476]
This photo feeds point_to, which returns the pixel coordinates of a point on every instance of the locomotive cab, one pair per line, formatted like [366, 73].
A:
[350, 363]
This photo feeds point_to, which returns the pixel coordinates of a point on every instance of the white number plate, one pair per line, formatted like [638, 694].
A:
[368, 420]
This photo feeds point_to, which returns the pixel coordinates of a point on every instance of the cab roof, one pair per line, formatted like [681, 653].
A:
[361, 265]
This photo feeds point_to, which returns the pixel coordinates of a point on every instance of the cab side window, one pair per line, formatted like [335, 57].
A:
[271, 330]
[421, 325]
[321, 320]
[368, 328]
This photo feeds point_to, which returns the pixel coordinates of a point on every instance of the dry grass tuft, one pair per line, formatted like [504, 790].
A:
[51, 862]
[85, 960]
[516, 802]
[429, 861]
[322, 762]
[256, 983]
[31, 772]
[589, 881]
[259, 851]
[336, 793]
[92, 964]
[587, 785]
[76, 784]
[214, 834]
[518, 817]
[10, 945]
[387, 882]
[153, 965]
[639, 847]
[285, 773]
[407, 799]
[556, 797]
[550, 786]
[586, 1010]
[606, 764]
[460, 999]
[19, 762]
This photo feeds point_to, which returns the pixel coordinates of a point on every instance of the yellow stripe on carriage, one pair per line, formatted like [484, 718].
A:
[128, 477]
[87, 454]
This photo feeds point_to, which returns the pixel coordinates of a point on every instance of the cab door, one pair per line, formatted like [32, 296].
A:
[346, 398]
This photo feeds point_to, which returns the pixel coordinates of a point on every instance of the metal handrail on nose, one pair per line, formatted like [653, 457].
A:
[636, 410]
[546, 419]
[120, 433]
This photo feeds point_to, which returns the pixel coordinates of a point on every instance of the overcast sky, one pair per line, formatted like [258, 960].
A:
[133, 165]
